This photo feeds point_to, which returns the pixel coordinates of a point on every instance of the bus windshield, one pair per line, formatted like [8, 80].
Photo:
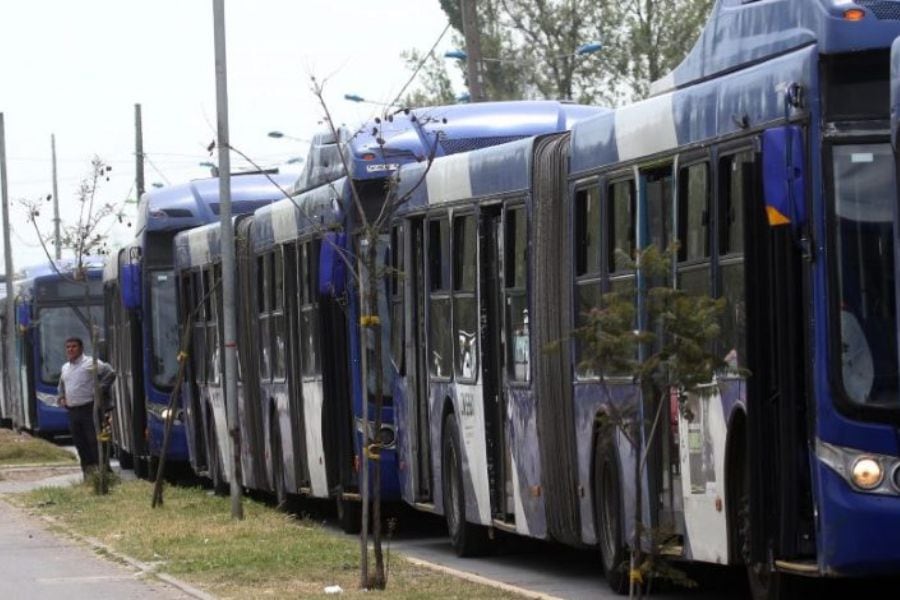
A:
[863, 231]
[55, 325]
[164, 326]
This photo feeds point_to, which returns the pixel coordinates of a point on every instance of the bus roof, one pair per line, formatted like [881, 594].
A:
[740, 33]
[416, 134]
[196, 202]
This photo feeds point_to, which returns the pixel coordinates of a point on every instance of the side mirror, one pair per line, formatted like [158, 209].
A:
[130, 283]
[332, 265]
[784, 176]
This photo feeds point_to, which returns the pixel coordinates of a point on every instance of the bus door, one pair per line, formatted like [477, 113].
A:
[780, 505]
[495, 409]
[420, 440]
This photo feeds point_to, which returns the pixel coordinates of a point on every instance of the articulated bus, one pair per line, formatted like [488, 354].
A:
[302, 393]
[50, 306]
[767, 154]
[140, 303]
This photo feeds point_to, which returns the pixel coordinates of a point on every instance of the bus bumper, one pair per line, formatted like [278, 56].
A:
[859, 534]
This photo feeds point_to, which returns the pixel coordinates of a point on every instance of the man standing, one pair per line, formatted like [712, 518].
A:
[76, 394]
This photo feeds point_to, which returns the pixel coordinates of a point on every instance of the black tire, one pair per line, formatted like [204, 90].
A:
[349, 514]
[608, 517]
[214, 460]
[125, 458]
[466, 538]
[278, 485]
[141, 467]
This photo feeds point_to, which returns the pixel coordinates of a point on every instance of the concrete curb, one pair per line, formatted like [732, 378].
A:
[144, 568]
[506, 587]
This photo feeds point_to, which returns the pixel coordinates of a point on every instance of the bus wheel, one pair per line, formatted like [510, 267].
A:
[349, 514]
[608, 518]
[214, 460]
[278, 468]
[126, 459]
[467, 539]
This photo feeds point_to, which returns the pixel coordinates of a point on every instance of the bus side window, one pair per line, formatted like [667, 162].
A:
[264, 306]
[440, 328]
[738, 180]
[588, 263]
[693, 270]
[309, 309]
[620, 230]
[214, 276]
[199, 333]
[279, 337]
[396, 291]
[465, 306]
[515, 281]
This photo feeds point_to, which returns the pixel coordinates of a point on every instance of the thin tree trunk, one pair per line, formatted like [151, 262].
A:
[373, 282]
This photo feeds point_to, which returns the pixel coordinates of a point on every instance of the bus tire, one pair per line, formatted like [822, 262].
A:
[126, 459]
[214, 460]
[349, 514]
[466, 538]
[608, 517]
[278, 486]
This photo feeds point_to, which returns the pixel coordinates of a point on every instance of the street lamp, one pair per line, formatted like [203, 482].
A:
[359, 99]
[294, 161]
[213, 169]
[582, 50]
[281, 135]
[156, 184]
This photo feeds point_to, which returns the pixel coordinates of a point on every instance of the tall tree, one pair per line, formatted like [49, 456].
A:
[529, 46]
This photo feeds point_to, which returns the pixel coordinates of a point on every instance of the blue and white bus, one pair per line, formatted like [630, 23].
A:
[52, 302]
[767, 154]
[300, 346]
[140, 301]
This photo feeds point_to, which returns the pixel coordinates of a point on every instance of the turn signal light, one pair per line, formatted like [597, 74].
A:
[866, 473]
[854, 14]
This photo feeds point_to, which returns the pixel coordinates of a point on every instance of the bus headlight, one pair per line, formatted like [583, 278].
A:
[866, 473]
[863, 471]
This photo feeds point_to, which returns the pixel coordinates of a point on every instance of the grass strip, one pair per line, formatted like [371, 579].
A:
[22, 449]
[267, 555]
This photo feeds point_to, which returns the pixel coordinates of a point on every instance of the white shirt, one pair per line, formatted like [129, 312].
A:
[76, 380]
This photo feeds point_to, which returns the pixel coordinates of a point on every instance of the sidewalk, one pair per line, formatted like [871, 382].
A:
[37, 564]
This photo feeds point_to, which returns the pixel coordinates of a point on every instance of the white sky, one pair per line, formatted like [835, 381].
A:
[76, 69]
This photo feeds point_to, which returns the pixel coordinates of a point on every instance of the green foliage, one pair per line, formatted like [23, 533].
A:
[534, 40]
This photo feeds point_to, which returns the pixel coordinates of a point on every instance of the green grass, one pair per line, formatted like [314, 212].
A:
[267, 555]
[21, 449]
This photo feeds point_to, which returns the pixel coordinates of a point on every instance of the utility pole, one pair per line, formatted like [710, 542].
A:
[10, 346]
[228, 284]
[473, 50]
[57, 239]
[138, 152]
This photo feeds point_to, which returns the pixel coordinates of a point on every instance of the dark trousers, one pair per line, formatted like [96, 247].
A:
[81, 424]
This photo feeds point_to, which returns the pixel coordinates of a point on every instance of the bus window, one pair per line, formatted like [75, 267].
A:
[279, 333]
[693, 229]
[738, 180]
[198, 336]
[621, 225]
[396, 295]
[518, 333]
[264, 293]
[863, 234]
[309, 309]
[588, 285]
[212, 325]
[658, 187]
[465, 306]
[440, 329]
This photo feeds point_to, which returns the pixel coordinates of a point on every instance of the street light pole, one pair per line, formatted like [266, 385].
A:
[12, 400]
[228, 266]
[57, 238]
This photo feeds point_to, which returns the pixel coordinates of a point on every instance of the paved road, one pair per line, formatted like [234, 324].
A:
[36, 564]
